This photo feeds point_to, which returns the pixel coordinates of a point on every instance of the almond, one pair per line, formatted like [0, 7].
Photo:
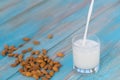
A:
[24, 51]
[50, 36]
[60, 54]
[26, 39]
[36, 42]
[29, 49]
[55, 69]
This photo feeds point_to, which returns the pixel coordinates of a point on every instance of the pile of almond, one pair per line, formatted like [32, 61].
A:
[38, 65]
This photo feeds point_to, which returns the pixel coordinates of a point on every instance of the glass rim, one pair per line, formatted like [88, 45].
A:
[80, 35]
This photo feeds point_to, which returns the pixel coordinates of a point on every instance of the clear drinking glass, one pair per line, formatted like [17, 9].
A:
[86, 58]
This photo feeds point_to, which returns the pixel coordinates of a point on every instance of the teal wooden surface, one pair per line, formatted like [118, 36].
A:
[63, 18]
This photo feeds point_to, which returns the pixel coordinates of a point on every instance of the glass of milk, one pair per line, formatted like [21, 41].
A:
[86, 58]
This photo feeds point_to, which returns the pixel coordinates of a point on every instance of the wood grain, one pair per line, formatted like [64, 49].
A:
[38, 18]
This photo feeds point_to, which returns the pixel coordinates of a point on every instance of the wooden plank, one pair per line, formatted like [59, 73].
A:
[57, 28]
[18, 23]
[10, 61]
[27, 25]
[7, 4]
[17, 9]
[64, 38]
[63, 61]
[15, 29]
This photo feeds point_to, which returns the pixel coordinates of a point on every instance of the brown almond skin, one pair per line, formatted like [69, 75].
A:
[30, 49]
[60, 54]
[20, 56]
[36, 67]
[14, 49]
[33, 72]
[42, 64]
[10, 51]
[25, 69]
[31, 58]
[51, 63]
[44, 71]
[49, 67]
[39, 73]
[24, 51]
[16, 55]
[55, 62]
[37, 52]
[27, 59]
[10, 55]
[36, 42]
[46, 67]
[26, 39]
[44, 51]
[44, 78]
[20, 60]
[21, 70]
[48, 76]
[50, 36]
[48, 60]
[32, 63]
[28, 74]
[55, 69]
[51, 73]
[35, 76]
[23, 63]
[39, 61]
[4, 53]
[45, 59]
[13, 65]
[33, 52]
[58, 65]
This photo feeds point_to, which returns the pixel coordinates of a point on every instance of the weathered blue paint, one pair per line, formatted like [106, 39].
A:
[37, 18]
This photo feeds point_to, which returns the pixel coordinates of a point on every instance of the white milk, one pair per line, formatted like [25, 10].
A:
[88, 21]
[86, 57]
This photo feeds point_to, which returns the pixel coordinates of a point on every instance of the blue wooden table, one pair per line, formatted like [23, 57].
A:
[63, 18]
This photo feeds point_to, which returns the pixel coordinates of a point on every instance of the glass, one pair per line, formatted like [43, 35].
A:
[86, 58]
